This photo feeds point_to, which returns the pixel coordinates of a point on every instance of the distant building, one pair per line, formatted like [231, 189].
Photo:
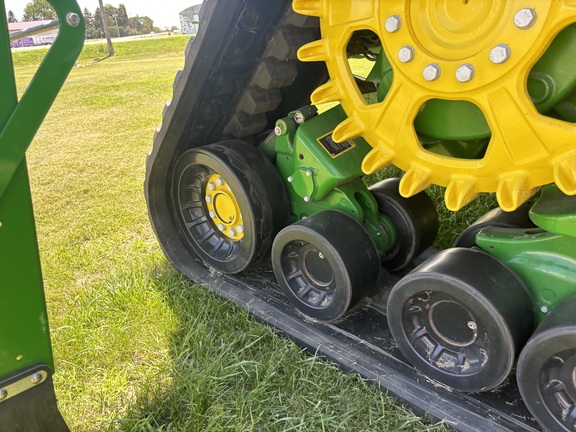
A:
[44, 38]
[189, 19]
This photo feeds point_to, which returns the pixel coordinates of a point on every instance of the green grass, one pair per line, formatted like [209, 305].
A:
[137, 347]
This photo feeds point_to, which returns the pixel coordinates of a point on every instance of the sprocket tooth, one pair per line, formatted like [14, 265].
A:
[326, 93]
[414, 181]
[378, 158]
[565, 174]
[307, 7]
[348, 129]
[513, 190]
[461, 191]
[313, 52]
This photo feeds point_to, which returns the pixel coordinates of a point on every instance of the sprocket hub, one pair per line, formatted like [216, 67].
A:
[471, 50]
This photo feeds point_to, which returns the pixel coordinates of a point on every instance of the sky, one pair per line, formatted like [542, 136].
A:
[163, 13]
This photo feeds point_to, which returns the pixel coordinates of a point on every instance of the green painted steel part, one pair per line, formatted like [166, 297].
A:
[25, 339]
[544, 257]
[320, 174]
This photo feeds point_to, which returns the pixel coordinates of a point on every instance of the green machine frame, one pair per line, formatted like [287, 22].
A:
[27, 401]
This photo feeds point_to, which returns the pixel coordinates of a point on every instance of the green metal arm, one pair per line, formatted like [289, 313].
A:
[27, 115]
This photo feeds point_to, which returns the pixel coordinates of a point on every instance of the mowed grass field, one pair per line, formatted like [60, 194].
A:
[136, 346]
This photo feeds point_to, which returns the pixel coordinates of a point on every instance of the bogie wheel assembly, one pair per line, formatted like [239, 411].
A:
[415, 221]
[229, 203]
[325, 264]
[546, 370]
[461, 318]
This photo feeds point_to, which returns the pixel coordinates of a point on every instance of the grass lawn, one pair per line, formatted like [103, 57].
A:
[136, 346]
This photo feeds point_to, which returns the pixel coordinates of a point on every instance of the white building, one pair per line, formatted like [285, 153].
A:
[189, 19]
[44, 38]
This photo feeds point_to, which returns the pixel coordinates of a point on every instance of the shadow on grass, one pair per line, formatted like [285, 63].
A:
[228, 372]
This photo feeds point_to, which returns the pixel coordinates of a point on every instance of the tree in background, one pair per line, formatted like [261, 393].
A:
[89, 22]
[38, 10]
[10, 17]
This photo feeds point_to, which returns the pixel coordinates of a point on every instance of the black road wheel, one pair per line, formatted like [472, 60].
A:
[546, 370]
[497, 217]
[229, 202]
[461, 317]
[325, 264]
[415, 220]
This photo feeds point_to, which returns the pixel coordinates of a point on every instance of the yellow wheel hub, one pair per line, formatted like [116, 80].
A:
[223, 208]
[473, 50]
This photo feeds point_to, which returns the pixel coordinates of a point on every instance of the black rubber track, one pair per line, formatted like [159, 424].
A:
[240, 76]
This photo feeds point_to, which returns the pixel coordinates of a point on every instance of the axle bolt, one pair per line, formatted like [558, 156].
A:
[212, 214]
[308, 173]
[465, 73]
[279, 130]
[208, 199]
[290, 179]
[219, 181]
[221, 227]
[240, 228]
[525, 18]
[500, 53]
[471, 325]
[299, 118]
[544, 309]
[393, 24]
[431, 72]
[306, 198]
[232, 232]
[406, 54]
[211, 186]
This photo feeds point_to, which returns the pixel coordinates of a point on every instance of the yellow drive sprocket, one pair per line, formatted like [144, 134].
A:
[479, 51]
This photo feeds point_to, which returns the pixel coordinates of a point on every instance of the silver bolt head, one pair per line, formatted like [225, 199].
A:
[220, 181]
[36, 378]
[3, 394]
[320, 255]
[431, 72]
[499, 54]
[221, 227]
[306, 199]
[308, 173]
[211, 186]
[232, 232]
[279, 130]
[290, 179]
[465, 73]
[73, 19]
[525, 18]
[393, 24]
[544, 309]
[240, 228]
[471, 325]
[212, 214]
[406, 54]
[299, 118]
[208, 199]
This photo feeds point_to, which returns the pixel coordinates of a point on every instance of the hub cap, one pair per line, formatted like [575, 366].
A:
[223, 208]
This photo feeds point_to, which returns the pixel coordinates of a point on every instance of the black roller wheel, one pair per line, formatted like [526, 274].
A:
[497, 217]
[415, 222]
[546, 370]
[461, 318]
[325, 264]
[229, 202]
